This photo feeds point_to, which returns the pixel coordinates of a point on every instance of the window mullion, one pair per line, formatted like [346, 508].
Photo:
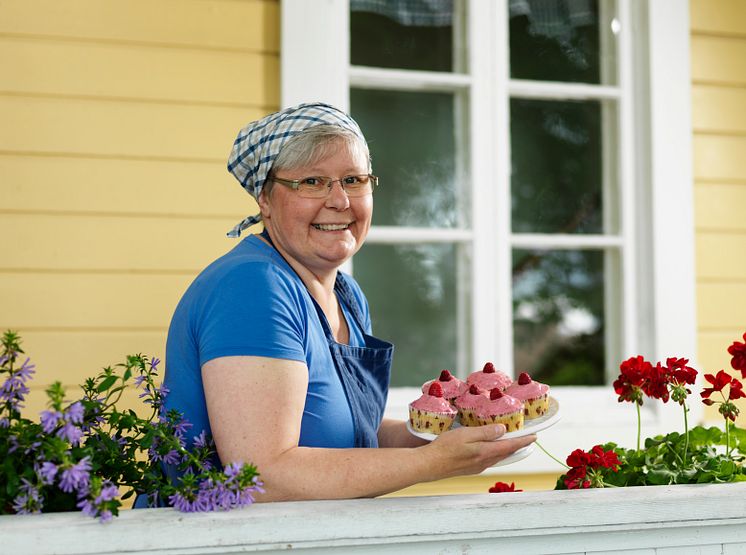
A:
[498, 240]
[627, 188]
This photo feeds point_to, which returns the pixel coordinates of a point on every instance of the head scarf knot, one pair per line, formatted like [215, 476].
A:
[258, 144]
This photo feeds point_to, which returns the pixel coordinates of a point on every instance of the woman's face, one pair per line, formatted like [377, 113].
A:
[320, 234]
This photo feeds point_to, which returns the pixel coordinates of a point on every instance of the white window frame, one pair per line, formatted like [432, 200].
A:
[656, 239]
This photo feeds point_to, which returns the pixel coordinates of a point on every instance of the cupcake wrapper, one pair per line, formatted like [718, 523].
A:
[430, 422]
[512, 421]
[534, 408]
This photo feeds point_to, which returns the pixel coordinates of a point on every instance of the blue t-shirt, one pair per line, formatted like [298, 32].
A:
[251, 302]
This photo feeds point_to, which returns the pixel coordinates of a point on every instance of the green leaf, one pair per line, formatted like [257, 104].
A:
[106, 383]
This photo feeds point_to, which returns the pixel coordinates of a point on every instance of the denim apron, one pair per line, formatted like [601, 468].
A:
[363, 371]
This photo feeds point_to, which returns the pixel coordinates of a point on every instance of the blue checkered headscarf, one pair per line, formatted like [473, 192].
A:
[258, 144]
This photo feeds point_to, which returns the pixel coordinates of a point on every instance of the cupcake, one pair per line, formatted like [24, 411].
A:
[431, 413]
[501, 409]
[489, 378]
[452, 386]
[535, 395]
[468, 404]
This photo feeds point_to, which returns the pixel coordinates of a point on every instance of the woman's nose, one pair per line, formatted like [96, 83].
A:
[337, 197]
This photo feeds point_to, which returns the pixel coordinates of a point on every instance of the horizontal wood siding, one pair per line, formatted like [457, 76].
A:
[117, 121]
[719, 119]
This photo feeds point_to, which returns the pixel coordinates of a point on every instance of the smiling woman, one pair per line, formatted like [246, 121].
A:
[271, 348]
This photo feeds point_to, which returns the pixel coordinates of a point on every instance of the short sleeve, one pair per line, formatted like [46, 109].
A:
[254, 309]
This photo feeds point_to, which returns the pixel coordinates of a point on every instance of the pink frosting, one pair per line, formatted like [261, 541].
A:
[470, 401]
[532, 390]
[489, 380]
[496, 407]
[428, 403]
[452, 388]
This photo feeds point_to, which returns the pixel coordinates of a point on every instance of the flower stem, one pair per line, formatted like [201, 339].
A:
[639, 426]
[550, 455]
[727, 438]
[686, 431]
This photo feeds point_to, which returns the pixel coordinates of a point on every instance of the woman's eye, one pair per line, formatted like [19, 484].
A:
[352, 180]
[311, 181]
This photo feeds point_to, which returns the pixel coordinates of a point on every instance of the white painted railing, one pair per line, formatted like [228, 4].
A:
[649, 520]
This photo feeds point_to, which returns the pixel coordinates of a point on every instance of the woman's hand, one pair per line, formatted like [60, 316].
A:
[470, 450]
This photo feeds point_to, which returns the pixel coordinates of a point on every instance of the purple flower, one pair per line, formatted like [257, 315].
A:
[200, 441]
[49, 420]
[74, 413]
[139, 380]
[29, 500]
[14, 389]
[47, 472]
[99, 507]
[5, 423]
[76, 477]
[154, 363]
[71, 433]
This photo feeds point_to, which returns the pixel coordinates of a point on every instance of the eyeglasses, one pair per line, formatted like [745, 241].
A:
[319, 186]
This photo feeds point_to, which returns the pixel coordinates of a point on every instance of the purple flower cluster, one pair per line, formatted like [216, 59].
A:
[71, 420]
[29, 500]
[14, 390]
[218, 494]
[76, 477]
[99, 505]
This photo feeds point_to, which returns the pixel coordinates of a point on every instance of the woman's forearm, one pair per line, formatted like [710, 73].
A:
[394, 433]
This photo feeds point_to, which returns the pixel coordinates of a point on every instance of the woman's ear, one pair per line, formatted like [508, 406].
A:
[264, 204]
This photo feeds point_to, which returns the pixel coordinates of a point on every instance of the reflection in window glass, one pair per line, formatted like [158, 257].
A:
[562, 40]
[556, 152]
[558, 316]
[402, 35]
[412, 143]
[412, 292]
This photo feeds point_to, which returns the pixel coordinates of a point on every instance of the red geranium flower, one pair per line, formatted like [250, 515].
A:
[718, 383]
[678, 369]
[633, 372]
[738, 351]
[576, 478]
[578, 458]
[655, 382]
[584, 471]
[502, 487]
[736, 390]
[606, 459]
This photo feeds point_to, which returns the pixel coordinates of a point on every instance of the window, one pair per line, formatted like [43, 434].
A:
[530, 161]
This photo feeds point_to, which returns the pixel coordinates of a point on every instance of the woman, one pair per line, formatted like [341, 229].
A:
[270, 349]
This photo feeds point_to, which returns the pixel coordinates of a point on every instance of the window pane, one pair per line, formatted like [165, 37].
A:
[558, 316]
[557, 166]
[556, 40]
[413, 293]
[412, 141]
[400, 35]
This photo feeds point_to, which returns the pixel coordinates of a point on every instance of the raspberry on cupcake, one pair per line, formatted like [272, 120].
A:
[469, 403]
[452, 386]
[501, 409]
[488, 378]
[535, 395]
[431, 413]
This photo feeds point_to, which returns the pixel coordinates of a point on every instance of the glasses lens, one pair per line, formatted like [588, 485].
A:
[320, 186]
[314, 187]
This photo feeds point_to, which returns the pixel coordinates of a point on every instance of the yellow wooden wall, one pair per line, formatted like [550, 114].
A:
[718, 43]
[116, 119]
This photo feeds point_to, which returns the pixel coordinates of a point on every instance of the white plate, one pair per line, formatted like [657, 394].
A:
[519, 455]
[532, 426]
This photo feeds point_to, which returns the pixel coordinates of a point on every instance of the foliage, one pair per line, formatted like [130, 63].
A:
[699, 455]
[83, 454]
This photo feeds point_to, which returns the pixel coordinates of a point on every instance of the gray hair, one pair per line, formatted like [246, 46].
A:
[315, 144]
